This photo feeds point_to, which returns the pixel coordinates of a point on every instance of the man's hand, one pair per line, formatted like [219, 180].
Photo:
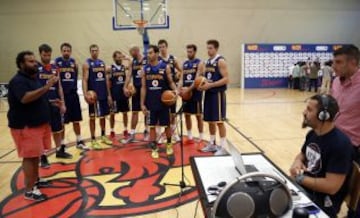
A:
[144, 109]
[297, 168]
[110, 101]
[51, 81]
[126, 92]
[205, 86]
[58, 103]
[88, 98]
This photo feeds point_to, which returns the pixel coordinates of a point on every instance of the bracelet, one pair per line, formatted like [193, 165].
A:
[299, 178]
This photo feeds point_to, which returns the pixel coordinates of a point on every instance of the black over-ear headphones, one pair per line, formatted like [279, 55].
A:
[324, 114]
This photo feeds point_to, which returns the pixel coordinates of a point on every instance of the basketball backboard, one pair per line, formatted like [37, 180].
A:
[129, 13]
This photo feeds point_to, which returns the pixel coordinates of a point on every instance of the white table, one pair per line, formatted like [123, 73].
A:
[212, 170]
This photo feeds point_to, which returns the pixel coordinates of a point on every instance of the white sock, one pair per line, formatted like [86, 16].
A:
[212, 139]
[189, 134]
[62, 141]
[132, 131]
[112, 130]
[223, 142]
[158, 130]
[201, 136]
[173, 127]
[78, 138]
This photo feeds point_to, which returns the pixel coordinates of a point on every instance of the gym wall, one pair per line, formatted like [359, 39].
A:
[27, 24]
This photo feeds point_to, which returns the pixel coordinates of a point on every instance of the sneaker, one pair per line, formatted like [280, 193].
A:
[41, 183]
[209, 148]
[126, 134]
[44, 163]
[146, 135]
[61, 153]
[112, 134]
[176, 138]
[95, 144]
[129, 139]
[220, 151]
[35, 195]
[155, 153]
[106, 140]
[81, 145]
[169, 149]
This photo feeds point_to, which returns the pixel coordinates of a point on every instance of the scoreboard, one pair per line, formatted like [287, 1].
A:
[268, 65]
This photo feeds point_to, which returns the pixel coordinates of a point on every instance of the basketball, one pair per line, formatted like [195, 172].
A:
[186, 93]
[199, 81]
[168, 97]
[92, 95]
[132, 90]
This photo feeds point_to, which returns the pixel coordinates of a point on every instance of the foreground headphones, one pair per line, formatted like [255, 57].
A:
[253, 195]
[324, 114]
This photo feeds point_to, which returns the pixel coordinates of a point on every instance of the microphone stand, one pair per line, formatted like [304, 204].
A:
[182, 183]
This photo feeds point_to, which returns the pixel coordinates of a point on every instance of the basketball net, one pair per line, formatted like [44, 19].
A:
[140, 26]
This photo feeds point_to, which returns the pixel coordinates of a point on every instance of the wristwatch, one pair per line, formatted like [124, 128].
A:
[299, 178]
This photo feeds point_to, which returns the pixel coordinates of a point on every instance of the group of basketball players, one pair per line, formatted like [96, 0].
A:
[143, 79]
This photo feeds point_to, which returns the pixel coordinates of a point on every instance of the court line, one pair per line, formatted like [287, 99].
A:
[265, 102]
[243, 135]
[10, 161]
[4, 155]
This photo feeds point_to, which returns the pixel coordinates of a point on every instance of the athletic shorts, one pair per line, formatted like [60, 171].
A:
[214, 107]
[121, 105]
[99, 109]
[73, 108]
[56, 119]
[135, 100]
[31, 142]
[193, 107]
[159, 117]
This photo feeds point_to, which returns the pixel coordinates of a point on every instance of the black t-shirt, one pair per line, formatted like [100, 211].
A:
[31, 114]
[329, 153]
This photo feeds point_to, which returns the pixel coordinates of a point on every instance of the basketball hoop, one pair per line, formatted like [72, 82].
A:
[140, 25]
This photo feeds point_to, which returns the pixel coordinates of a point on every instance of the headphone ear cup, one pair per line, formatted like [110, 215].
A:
[324, 115]
[247, 203]
[279, 202]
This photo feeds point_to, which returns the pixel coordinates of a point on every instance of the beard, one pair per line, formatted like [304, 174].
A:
[31, 70]
[118, 63]
[305, 123]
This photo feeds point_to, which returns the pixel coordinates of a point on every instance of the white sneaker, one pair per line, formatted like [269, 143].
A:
[220, 151]
[209, 148]
[176, 138]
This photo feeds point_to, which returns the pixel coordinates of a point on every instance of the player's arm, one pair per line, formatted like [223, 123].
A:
[200, 72]
[143, 93]
[331, 184]
[61, 95]
[179, 71]
[170, 80]
[181, 79]
[127, 79]
[85, 77]
[108, 85]
[224, 73]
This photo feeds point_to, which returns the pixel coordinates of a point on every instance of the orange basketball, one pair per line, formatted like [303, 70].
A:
[131, 89]
[186, 93]
[168, 97]
[92, 95]
[199, 81]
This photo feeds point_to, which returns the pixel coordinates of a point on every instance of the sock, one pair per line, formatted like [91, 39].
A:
[158, 130]
[212, 139]
[173, 127]
[189, 134]
[102, 132]
[223, 142]
[63, 141]
[58, 148]
[112, 130]
[78, 138]
[132, 131]
[201, 136]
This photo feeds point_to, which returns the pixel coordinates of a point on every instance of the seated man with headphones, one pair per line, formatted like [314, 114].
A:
[324, 164]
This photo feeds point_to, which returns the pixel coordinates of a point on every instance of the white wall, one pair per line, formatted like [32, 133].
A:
[26, 24]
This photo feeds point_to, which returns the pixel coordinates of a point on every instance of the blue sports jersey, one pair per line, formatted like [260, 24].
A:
[190, 68]
[136, 67]
[97, 78]
[68, 74]
[212, 74]
[117, 81]
[171, 62]
[45, 73]
[156, 83]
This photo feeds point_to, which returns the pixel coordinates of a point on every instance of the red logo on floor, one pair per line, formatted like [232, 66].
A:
[115, 181]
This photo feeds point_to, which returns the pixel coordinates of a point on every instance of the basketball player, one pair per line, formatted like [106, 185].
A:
[117, 75]
[192, 68]
[176, 74]
[95, 79]
[55, 94]
[68, 70]
[216, 73]
[135, 70]
[155, 80]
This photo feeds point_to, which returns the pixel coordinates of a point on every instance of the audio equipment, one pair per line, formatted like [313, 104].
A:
[253, 195]
[324, 114]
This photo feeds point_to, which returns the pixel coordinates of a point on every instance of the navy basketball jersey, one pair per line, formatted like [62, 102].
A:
[190, 68]
[45, 73]
[97, 78]
[212, 73]
[156, 83]
[171, 62]
[136, 67]
[117, 81]
[68, 74]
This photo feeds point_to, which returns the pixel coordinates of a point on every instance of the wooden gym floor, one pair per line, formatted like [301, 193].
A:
[266, 120]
